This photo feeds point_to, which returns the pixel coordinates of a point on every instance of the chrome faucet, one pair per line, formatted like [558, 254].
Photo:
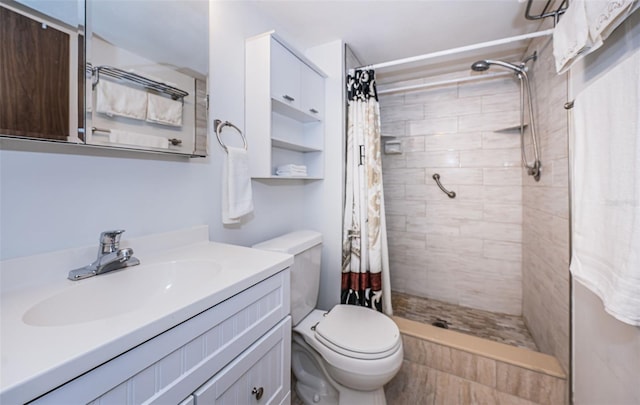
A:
[110, 257]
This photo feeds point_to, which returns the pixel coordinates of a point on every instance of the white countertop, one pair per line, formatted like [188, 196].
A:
[36, 359]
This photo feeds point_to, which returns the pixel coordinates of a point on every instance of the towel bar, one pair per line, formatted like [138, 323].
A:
[218, 125]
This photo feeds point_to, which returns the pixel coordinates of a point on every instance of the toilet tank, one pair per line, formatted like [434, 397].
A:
[306, 247]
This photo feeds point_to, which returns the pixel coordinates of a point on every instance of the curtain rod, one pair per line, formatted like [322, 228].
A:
[459, 50]
[443, 82]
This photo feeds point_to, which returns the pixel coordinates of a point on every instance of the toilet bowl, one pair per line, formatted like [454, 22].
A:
[343, 356]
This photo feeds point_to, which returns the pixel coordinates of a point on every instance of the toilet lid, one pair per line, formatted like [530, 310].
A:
[358, 332]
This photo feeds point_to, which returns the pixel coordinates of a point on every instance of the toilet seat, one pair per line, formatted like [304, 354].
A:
[358, 332]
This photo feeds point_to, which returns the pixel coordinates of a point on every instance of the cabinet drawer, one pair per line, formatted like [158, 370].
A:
[169, 367]
[259, 376]
[285, 75]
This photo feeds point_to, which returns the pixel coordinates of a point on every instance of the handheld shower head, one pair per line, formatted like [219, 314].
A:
[482, 65]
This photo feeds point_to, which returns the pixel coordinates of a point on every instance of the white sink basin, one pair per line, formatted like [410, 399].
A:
[120, 292]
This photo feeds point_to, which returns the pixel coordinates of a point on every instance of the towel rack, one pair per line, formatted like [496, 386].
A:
[218, 125]
[138, 80]
[546, 12]
[172, 141]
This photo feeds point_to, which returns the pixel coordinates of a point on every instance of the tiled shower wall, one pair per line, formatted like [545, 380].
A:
[466, 250]
[545, 244]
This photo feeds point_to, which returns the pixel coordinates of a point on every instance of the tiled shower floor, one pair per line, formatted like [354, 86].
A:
[509, 329]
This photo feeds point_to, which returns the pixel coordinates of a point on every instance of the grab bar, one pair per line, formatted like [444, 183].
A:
[450, 194]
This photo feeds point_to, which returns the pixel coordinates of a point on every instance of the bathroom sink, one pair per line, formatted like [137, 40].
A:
[121, 292]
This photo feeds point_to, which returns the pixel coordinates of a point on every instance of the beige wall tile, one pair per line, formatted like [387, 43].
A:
[413, 144]
[492, 121]
[441, 94]
[509, 213]
[393, 128]
[492, 231]
[496, 87]
[454, 107]
[402, 112]
[490, 158]
[510, 176]
[509, 251]
[499, 140]
[527, 384]
[459, 141]
[433, 126]
[405, 207]
[403, 176]
[459, 175]
[414, 384]
[433, 159]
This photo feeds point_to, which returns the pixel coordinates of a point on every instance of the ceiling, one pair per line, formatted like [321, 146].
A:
[383, 30]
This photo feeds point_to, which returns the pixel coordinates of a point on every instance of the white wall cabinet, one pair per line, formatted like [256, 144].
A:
[285, 103]
[242, 343]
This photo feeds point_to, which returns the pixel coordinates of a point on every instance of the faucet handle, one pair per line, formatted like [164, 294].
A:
[110, 241]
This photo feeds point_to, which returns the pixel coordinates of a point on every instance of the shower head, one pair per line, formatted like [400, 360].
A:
[482, 65]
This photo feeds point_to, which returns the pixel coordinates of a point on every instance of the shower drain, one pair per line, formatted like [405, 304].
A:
[441, 323]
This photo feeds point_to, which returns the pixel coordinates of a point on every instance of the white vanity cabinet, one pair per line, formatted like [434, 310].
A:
[217, 356]
[284, 109]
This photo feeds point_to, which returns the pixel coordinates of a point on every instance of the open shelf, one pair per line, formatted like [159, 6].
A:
[281, 143]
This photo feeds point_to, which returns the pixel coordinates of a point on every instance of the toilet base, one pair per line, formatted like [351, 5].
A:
[314, 386]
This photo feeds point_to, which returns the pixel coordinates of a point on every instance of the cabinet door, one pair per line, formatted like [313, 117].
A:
[285, 75]
[312, 92]
[35, 77]
[260, 375]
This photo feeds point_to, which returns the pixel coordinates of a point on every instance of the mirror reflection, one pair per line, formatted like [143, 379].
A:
[143, 86]
[41, 56]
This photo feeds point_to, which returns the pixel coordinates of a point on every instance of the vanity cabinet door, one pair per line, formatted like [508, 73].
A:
[285, 75]
[260, 375]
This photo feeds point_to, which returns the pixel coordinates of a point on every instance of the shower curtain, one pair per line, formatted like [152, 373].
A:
[365, 261]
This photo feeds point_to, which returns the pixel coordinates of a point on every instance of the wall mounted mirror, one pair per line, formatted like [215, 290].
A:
[131, 75]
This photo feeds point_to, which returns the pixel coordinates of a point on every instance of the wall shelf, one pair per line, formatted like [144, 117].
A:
[284, 108]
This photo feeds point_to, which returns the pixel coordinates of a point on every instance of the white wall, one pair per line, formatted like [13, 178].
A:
[54, 197]
[326, 197]
[606, 351]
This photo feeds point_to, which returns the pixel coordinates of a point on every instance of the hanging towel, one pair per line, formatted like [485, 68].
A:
[135, 139]
[606, 190]
[237, 199]
[584, 27]
[163, 110]
[571, 36]
[116, 99]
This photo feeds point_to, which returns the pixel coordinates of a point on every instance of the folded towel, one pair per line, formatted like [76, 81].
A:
[237, 199]
[135, 139]
[292, 170]
[584, 27]
[116, 99]
[606, 190]
[163, 110]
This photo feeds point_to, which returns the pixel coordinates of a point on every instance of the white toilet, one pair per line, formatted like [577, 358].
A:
[344, 356]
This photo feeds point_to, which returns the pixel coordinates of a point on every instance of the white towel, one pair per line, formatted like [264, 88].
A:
[163, 110]
[584, 27]
[116, 99]
[135, 139]
[292, 170]
[237, 199]
[571, 36]
[606, 190]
